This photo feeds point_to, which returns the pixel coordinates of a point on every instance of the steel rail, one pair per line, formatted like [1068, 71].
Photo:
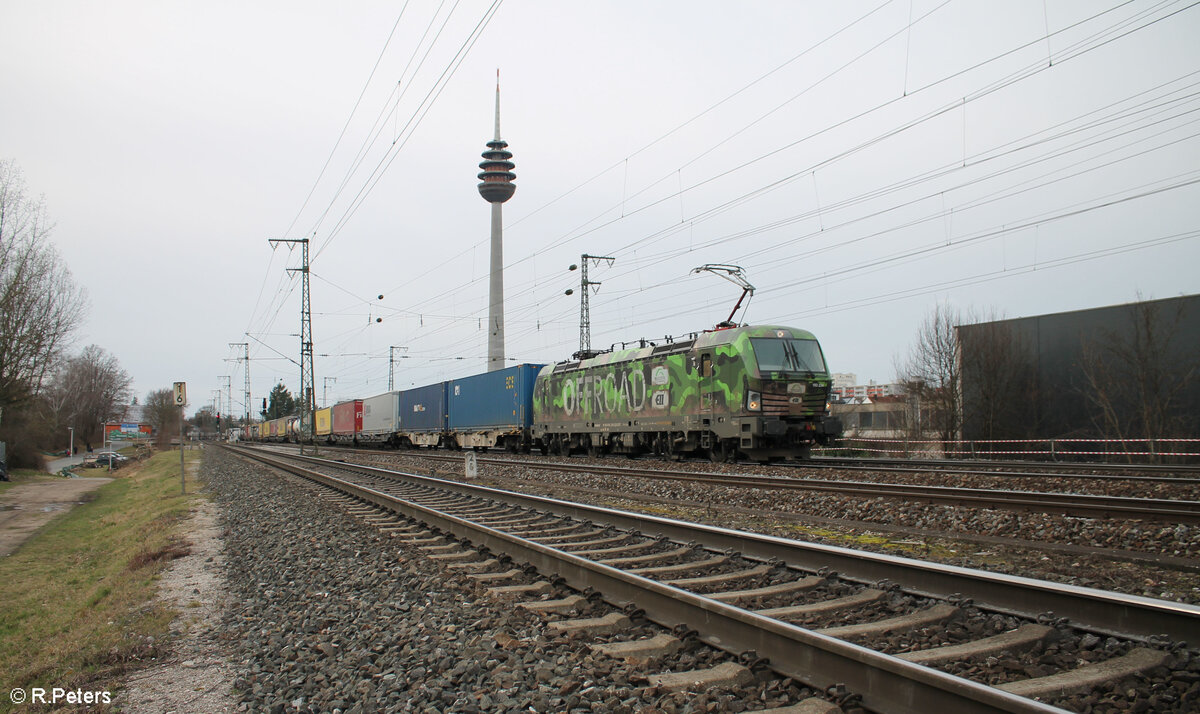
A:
[1089, 609]
[926, 466]
[1082, 505]
[946, 467]
[955, 464]
[885, 683]
[934, 467]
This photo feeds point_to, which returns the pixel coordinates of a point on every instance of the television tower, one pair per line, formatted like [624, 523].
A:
[496, 187]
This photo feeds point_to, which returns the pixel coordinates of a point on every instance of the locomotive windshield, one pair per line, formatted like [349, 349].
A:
[787, 355]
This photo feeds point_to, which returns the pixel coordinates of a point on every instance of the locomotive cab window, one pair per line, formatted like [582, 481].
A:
[706, 369]
[787, 355]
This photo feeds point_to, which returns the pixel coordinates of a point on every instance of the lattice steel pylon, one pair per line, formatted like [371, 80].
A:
[245, 358]
[391, 363]
[307, 389]
[585, 310]
[228, 395]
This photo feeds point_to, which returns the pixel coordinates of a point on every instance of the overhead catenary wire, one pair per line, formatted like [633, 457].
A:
[704, 215]
[410, 127]
[1032, 144]
[346, 126]
[281, 294]
[427, 306]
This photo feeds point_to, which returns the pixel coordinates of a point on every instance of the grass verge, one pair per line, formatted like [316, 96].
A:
[78, 598]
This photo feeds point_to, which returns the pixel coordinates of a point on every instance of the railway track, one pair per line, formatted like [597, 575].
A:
[1149, 473]
[1077, 505]
[747, 592]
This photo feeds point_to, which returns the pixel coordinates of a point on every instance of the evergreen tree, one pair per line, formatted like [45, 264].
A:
[281, 403]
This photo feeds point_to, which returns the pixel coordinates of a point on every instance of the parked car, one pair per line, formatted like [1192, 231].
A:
[105, 460]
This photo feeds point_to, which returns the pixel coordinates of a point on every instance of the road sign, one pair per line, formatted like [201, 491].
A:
[180, 394]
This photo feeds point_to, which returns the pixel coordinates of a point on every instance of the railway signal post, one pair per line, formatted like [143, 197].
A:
[181, 402]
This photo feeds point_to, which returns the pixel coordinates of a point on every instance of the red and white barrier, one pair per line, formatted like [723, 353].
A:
[1053, 448]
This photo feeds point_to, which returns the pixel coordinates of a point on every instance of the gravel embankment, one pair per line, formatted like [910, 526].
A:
[334, 616]
[1004, 541]
[1147, 537]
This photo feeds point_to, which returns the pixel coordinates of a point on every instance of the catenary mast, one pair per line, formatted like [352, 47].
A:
[496, 187]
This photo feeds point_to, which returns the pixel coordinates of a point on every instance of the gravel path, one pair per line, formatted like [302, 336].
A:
[197, 676]
[26, 507]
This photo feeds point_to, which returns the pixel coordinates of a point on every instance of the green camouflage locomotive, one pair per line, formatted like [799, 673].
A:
[757, 391]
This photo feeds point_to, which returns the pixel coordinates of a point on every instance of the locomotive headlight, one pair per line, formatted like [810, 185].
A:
[753, 401]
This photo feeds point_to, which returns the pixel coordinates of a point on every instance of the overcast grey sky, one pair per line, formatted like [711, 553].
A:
[863, 162]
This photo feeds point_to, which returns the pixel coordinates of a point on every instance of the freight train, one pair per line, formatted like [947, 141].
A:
[755, 392]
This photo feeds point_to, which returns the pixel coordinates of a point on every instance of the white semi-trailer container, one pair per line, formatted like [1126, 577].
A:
[380, 417]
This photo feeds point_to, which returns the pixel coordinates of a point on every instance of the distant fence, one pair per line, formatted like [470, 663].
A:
[1095, 450]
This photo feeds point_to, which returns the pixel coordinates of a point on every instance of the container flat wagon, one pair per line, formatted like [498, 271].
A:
[423, 415]
[323, 425]
[347, 421]
[493, 408]
[380, 419]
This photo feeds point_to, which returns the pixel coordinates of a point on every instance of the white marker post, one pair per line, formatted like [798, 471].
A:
[181, 401]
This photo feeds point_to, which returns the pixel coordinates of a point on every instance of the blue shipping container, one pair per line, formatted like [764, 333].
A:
[491, 400]
[423, 409]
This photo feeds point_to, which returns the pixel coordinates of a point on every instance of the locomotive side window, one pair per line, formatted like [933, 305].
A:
[706, 369]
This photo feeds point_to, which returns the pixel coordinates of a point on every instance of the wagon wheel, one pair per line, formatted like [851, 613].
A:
[671, 452]
[720, 452]
[593, 449]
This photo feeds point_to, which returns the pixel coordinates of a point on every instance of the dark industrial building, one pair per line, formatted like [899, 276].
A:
[1125, 371]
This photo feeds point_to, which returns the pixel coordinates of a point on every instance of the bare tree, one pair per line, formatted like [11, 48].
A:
[91, 389]
[162, 413]
[931, 374]
[205, 420]
[40, 305]
[1136, 380]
